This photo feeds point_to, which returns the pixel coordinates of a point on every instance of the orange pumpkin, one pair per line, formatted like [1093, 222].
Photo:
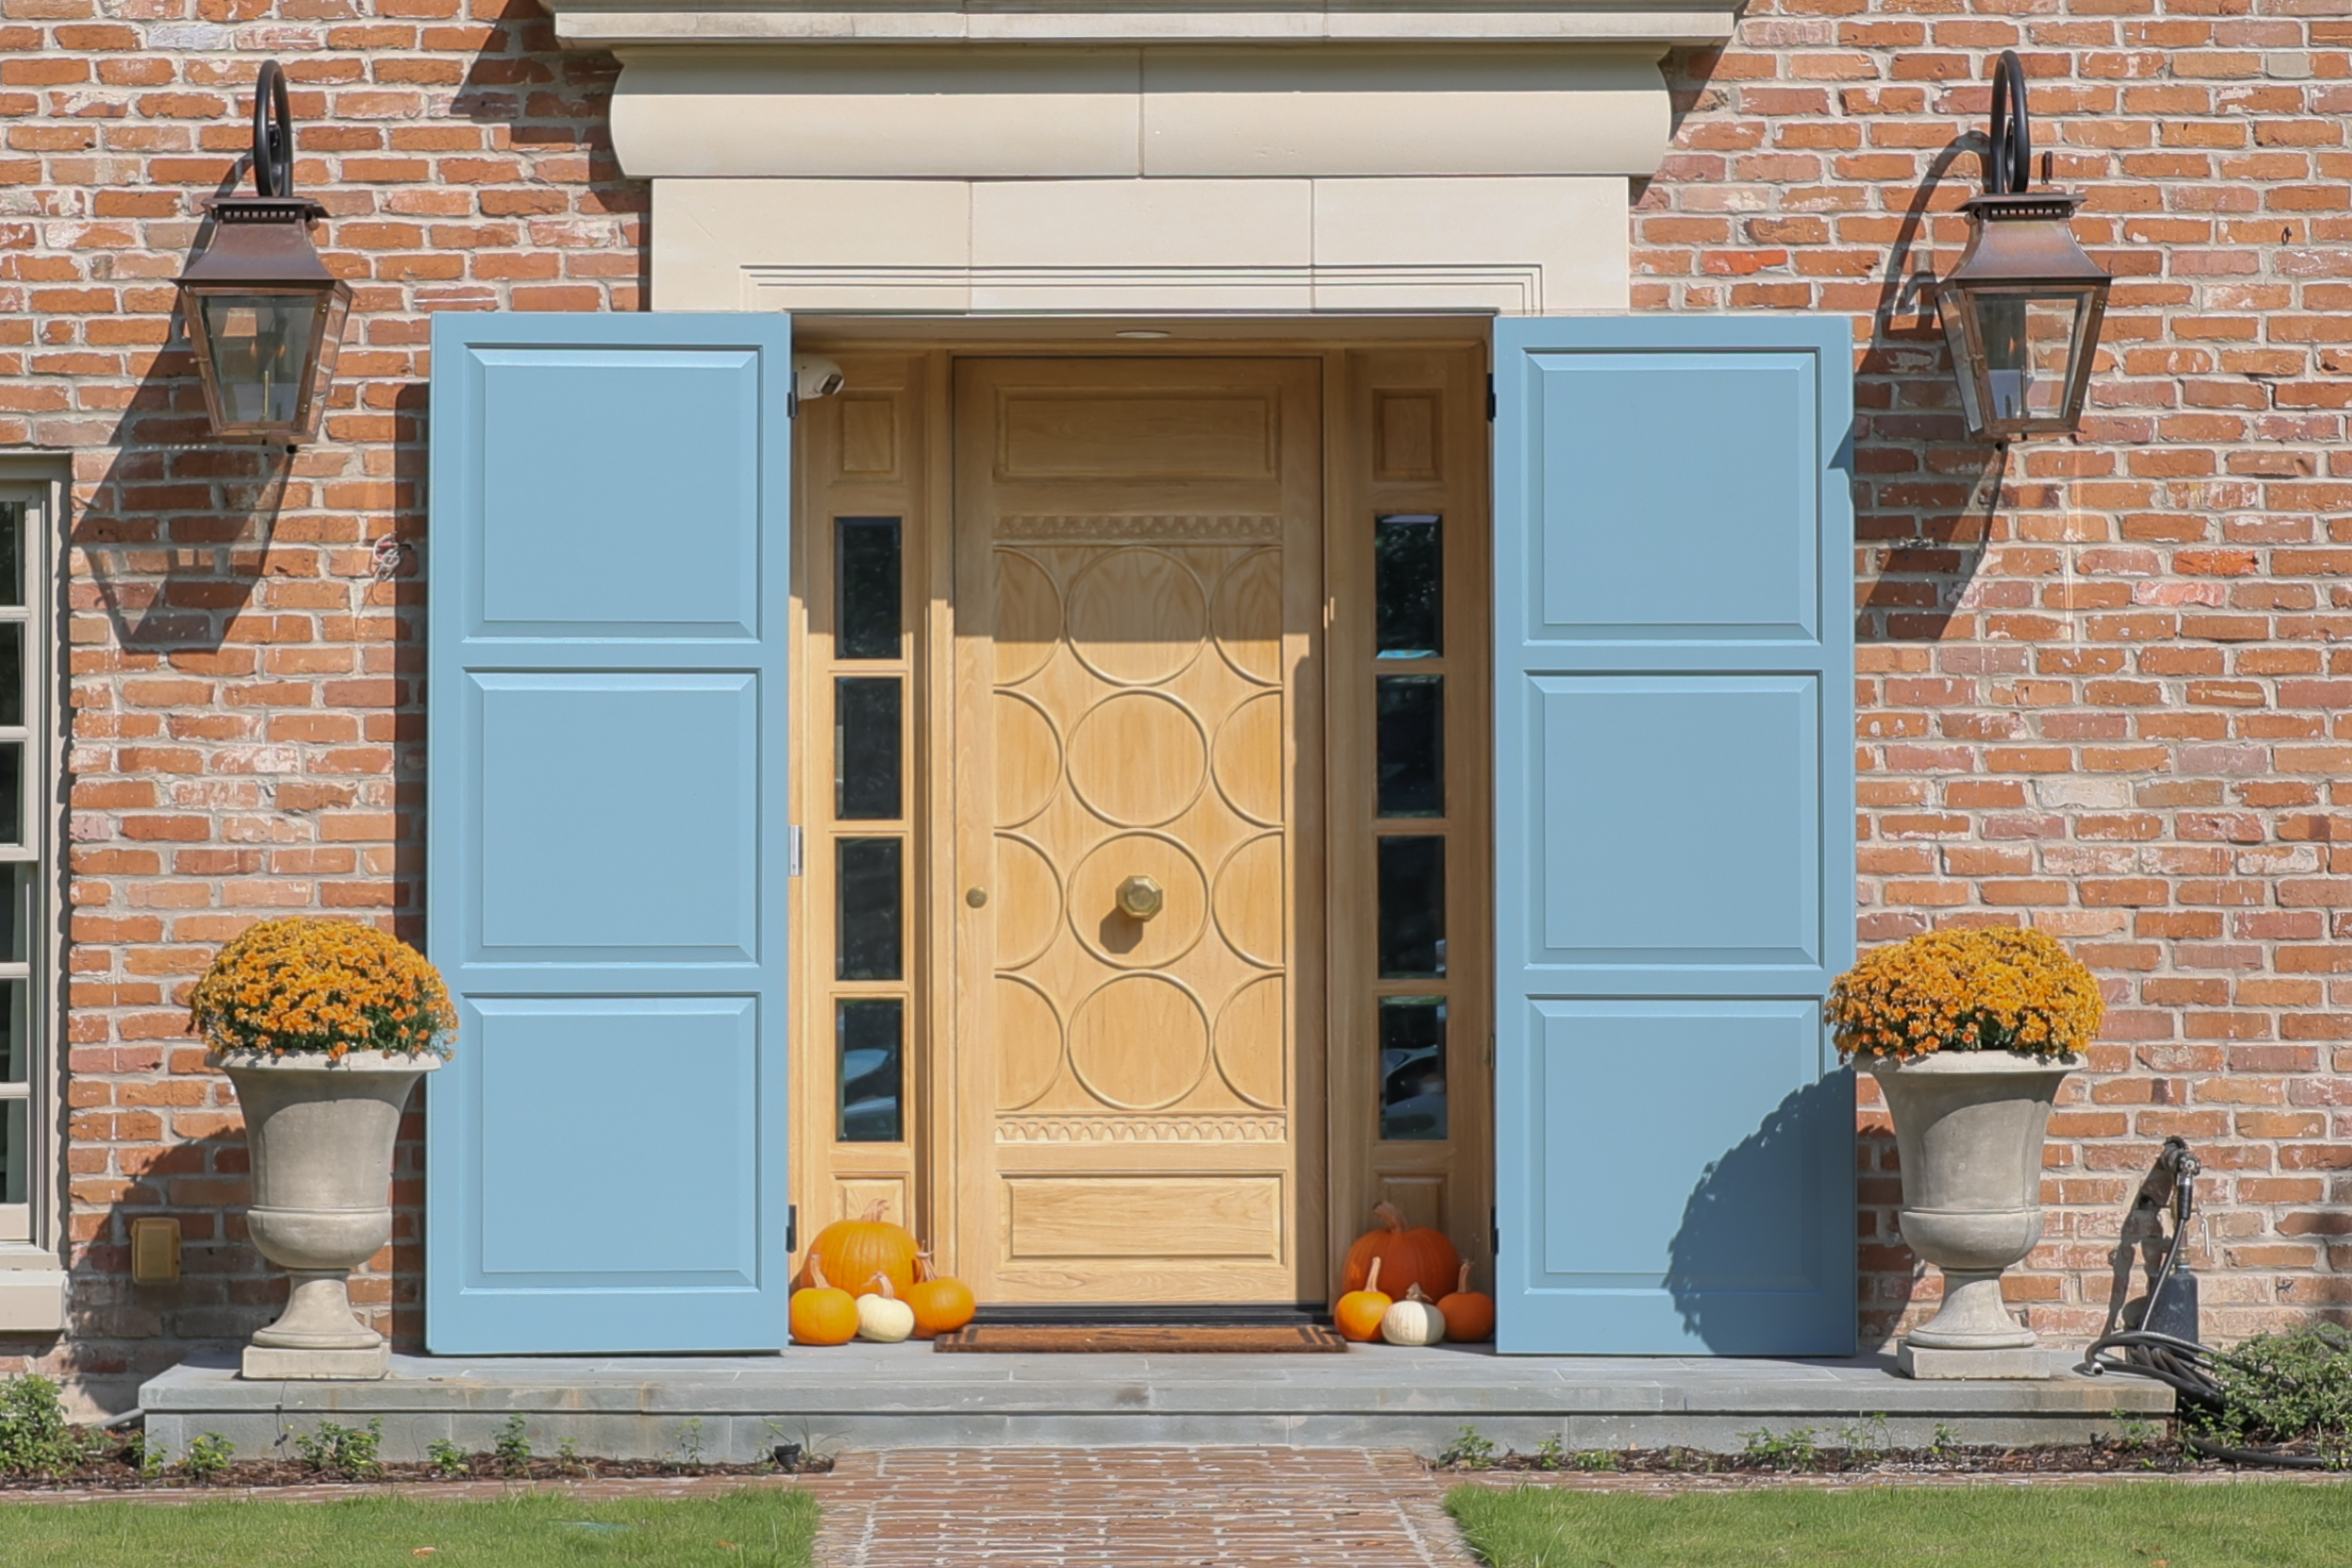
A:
[942, 1304]
[862, 1248]
[1359, 1313]
[823, 1314]
[1413, 1255]
[1469, 1314]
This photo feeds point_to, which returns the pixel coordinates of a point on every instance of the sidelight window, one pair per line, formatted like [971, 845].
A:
[1409, 794]
[23, 844]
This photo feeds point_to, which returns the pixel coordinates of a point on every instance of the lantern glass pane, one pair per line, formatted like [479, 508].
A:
[2029, 340]
[261, 345]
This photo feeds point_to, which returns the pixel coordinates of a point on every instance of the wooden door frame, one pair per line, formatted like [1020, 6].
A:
[1349, 352]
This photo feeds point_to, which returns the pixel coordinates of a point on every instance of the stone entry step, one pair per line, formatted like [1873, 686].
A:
[737, 1408]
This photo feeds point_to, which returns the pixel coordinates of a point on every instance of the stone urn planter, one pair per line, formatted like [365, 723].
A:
[1968, 1126]
[321, 1132]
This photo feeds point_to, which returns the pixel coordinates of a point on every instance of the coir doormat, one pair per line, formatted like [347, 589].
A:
[1132, 1338]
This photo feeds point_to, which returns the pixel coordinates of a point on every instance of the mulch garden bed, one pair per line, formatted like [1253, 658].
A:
[121, 1473]
[2156, 1452]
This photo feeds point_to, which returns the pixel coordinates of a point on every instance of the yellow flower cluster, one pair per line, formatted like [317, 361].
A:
[1967, 990]
[311, 984]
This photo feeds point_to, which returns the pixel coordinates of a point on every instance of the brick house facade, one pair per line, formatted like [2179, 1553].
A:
[2098, 686]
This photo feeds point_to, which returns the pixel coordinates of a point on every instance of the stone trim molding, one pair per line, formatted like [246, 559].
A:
[1532, 246]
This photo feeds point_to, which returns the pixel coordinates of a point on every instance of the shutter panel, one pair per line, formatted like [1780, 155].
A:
[1674, 834]
[607, 832]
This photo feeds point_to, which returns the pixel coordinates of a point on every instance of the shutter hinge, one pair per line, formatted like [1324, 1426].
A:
[1490, 396]
[792, 403]
[791, 1227]
[1494, 1228]
[792, 855]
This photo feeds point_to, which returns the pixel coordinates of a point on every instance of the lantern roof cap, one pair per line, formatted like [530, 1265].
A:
[261, 241]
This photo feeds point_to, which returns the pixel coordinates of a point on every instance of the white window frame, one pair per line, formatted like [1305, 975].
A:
[31, 1281]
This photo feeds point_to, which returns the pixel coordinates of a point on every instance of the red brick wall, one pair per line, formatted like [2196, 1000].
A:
[2098, 688]
[246, 718]
[2100, 685]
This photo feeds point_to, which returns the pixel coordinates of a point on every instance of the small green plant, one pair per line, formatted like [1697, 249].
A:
[567, 1457]
[1944, 1442]
[1549, 1452]
[444, 1458]
[1792, 1450]
[1596, 1459]
[2136, 1431]
[144, 1455]
[690, 1443]
[347, 1451]
[207, 1458]
[1472, 1450]
[35, 1439]
[1868, 1439]
[512, 1447]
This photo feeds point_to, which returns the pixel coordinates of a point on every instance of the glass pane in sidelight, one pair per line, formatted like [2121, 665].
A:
[1408, 587]
[1413, 1069]
[871, 1033]
[15, 516]
[865, 748]
[870, 915]
[16, 1040]
[11, 673]
[1412, 907]
[17, 883]
[1412, 745]
[12, 792]
[865, 552]
[16, 1153]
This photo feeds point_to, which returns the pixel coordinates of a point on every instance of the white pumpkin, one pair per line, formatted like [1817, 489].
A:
[885, 1320]
[1414, 1321]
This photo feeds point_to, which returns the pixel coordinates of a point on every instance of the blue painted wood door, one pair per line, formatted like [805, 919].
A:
[607, 832]
[1674, 838]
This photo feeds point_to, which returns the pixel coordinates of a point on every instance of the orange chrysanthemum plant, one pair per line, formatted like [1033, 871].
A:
[311, 985]
[1967, 990]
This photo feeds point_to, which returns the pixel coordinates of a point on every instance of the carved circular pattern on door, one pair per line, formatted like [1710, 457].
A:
[1028, 617]
[1119, 940]
[1250, 1040]
[1249, 759]
[1028, 760]
[1140, 1043]
[1027, 901]
[1138, 759]
[1137, 616]
[1248, 901]
[1029, 1043]
[1245, 613]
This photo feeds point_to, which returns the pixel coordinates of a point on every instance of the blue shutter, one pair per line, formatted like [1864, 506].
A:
[608, 833]
[1674, 834]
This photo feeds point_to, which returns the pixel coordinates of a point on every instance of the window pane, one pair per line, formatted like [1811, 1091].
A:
[865, 549]
[16, 889]
[11, 673]
[872, 1034]
[12, 792]
[865, 748]
[868, 913]
[16, 1043]
[16, 1153]
[1408, 587]
[1413, 1069]
[1412, 742]
[13, 519]
[1412, 907]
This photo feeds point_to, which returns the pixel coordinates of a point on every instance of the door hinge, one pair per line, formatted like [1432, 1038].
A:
[791, 1227]
[1494, 1237]
[792, 855]
[1490, 396]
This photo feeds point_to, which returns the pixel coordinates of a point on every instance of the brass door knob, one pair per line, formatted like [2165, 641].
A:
[1139, 897]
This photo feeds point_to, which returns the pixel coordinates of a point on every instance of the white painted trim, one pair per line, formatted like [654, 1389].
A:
[1506, 245]
[32, 1300]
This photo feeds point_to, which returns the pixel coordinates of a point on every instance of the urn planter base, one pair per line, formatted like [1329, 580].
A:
[268, 1364]
[1930, 1365]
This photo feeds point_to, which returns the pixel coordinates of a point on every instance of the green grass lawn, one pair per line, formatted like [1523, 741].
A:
[766, 1529]
[2247, 1525]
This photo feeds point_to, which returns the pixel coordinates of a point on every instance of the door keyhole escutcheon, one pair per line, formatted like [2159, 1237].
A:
[1139, 897]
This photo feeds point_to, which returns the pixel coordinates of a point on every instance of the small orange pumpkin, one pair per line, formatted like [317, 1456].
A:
[1359, 1313]
[1415, 1254]
[821, 1313]
[1469, 1314]
[862, 1248]
[942, 1303]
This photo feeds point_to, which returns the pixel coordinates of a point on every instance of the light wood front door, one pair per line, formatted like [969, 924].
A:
[1138, 1044]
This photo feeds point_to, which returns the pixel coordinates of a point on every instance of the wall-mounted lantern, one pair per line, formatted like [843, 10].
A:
[265, 316]
[2022, 308]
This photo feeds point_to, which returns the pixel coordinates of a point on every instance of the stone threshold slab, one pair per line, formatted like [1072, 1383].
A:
[737, 1408]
